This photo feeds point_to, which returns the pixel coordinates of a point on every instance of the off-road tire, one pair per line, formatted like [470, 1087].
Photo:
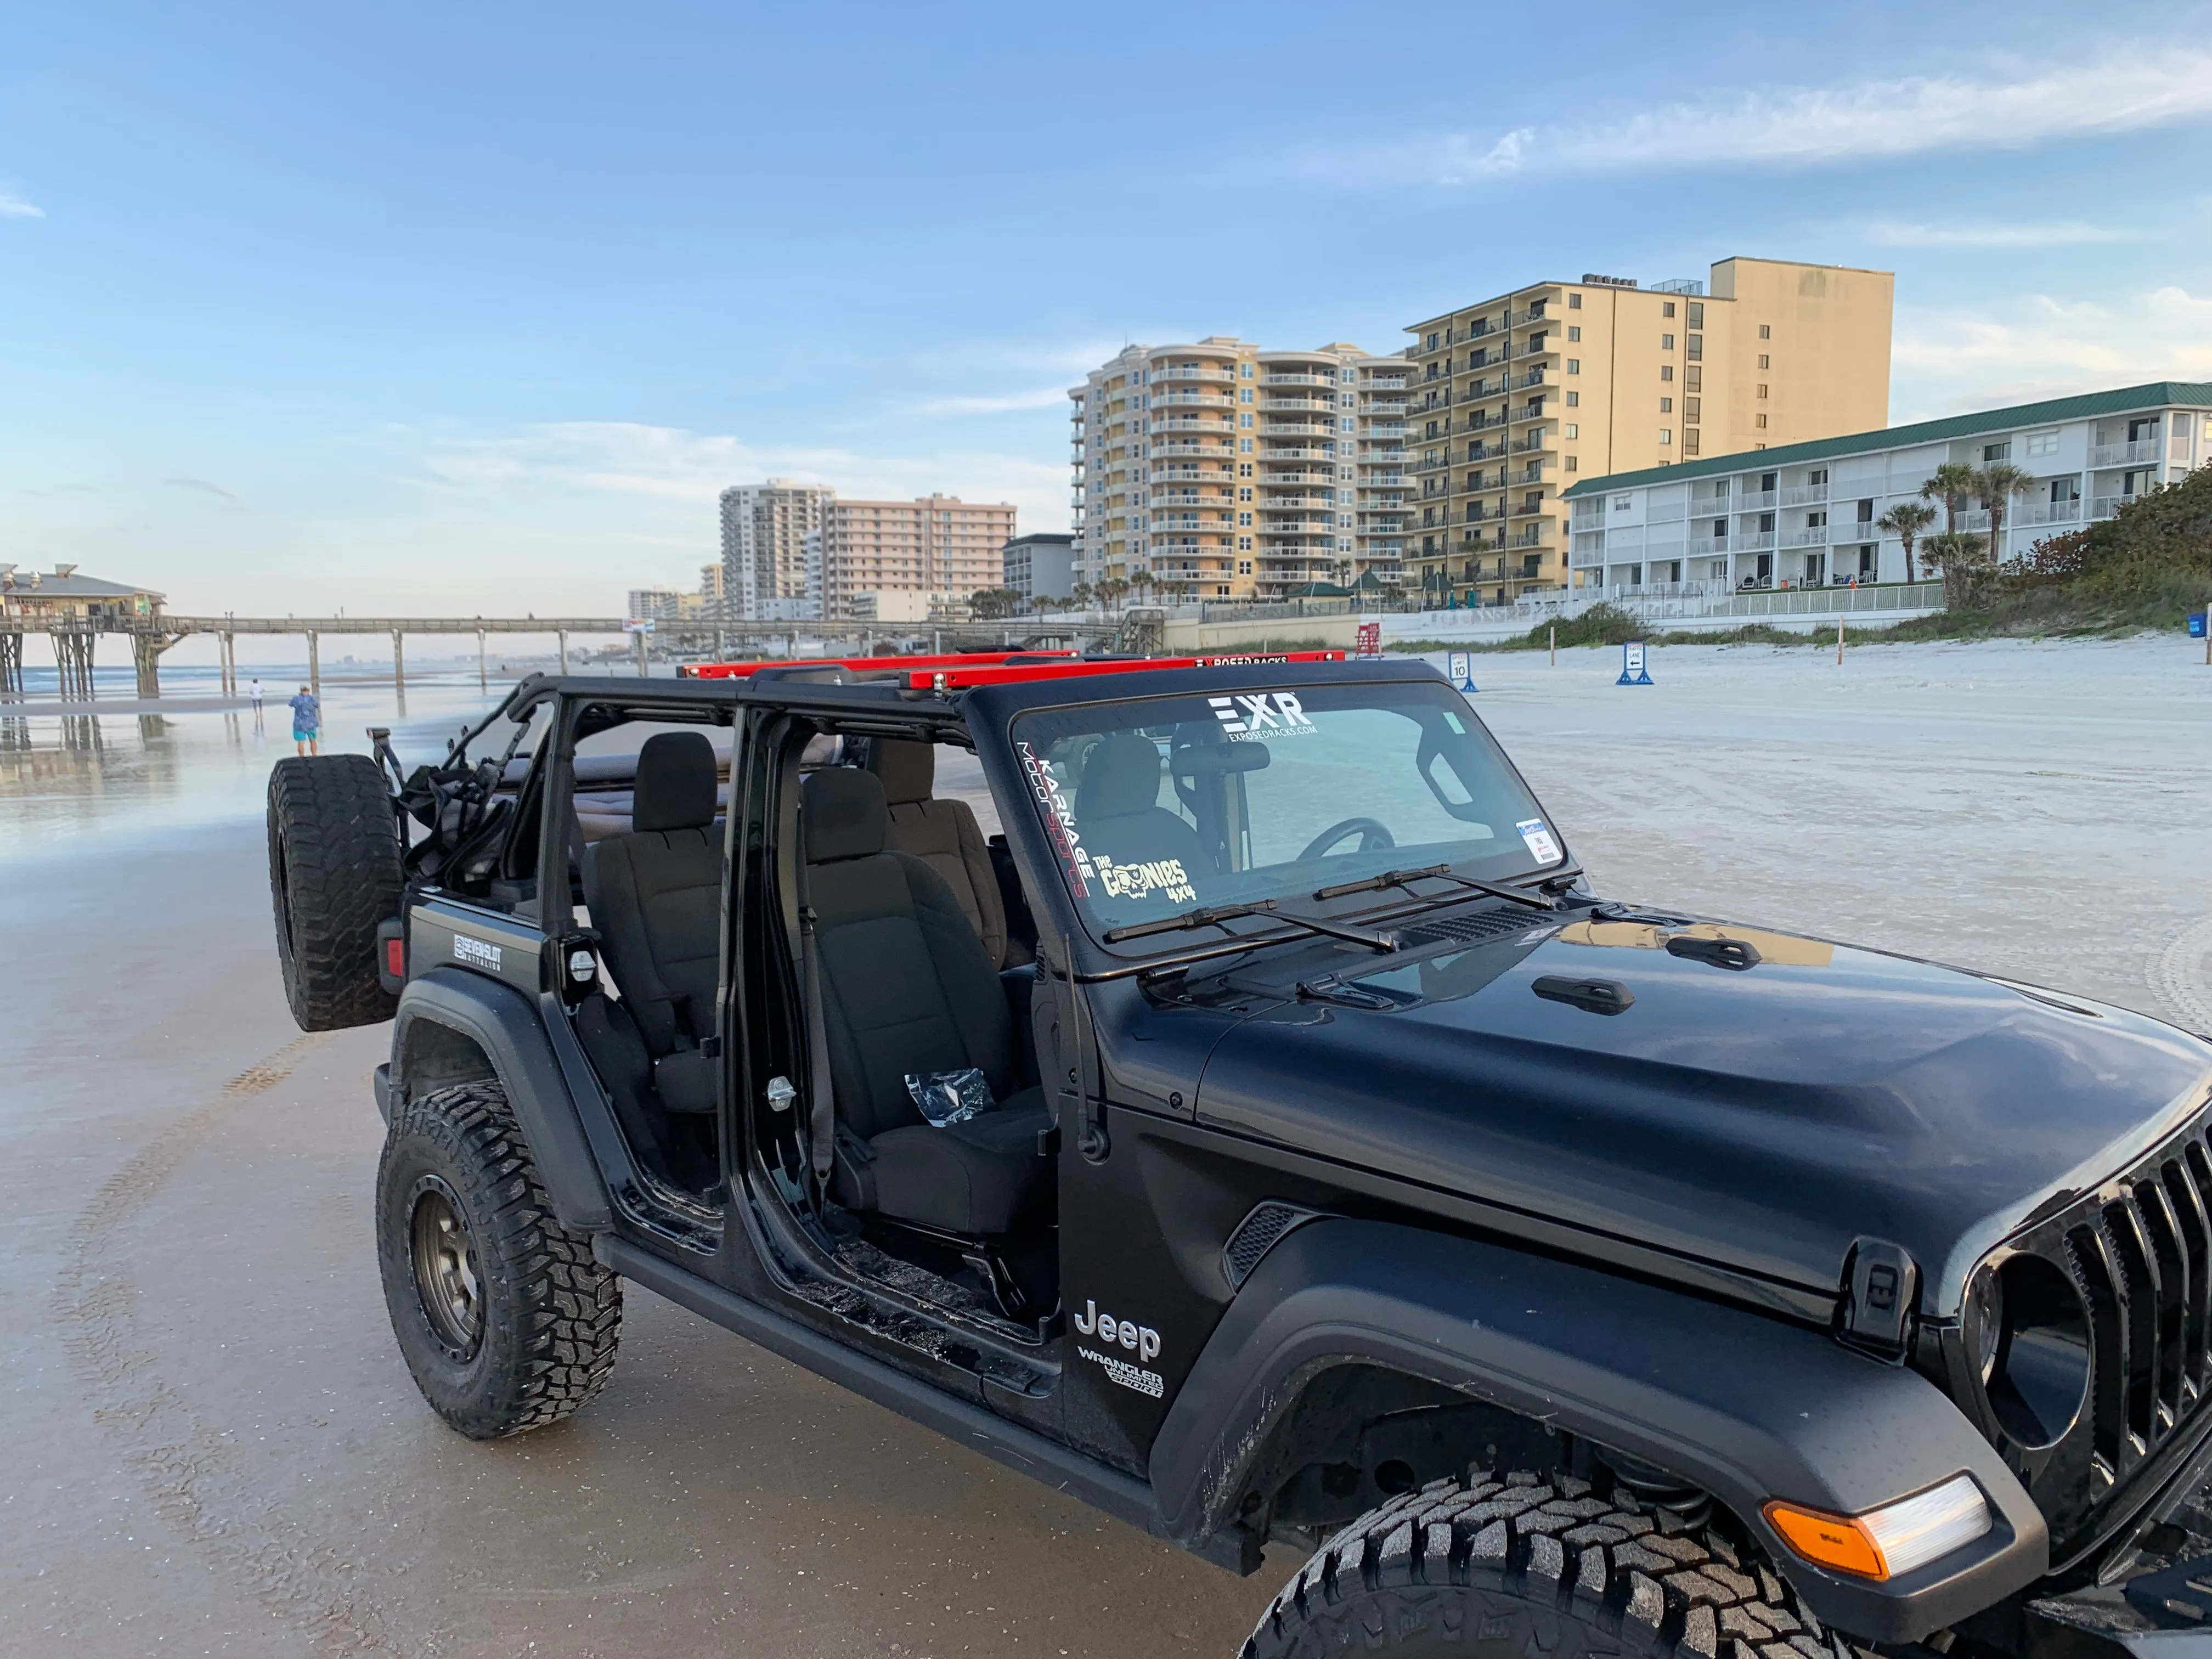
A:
[550, 1316]
[1501, 1569]
[333, 875]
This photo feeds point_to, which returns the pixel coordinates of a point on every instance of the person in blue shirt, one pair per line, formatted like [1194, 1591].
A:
[306, 721]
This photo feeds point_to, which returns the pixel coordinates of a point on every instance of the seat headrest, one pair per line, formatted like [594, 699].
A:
[1121, 776]
[675, 787]
[908, 769]
[843, 810]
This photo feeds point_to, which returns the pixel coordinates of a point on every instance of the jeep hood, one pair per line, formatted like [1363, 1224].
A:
[1760, 1118]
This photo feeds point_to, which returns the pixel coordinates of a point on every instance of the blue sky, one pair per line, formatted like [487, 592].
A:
[451, 310]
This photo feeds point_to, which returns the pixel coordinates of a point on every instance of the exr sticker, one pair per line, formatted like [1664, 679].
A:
[1270, 714]
[1542, 847]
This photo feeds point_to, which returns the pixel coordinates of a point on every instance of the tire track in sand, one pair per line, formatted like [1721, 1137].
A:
[2178, 979]
[185, 1465]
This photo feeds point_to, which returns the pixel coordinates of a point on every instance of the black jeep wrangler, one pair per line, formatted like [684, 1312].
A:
[1268, 1135]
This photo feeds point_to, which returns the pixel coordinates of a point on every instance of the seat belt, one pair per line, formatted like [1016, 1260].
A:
[822, 1106]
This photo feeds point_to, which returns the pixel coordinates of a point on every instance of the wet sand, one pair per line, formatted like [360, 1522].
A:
[212, 1446]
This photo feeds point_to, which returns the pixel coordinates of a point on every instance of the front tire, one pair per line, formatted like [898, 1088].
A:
[505, 1319]
[1531, 1564]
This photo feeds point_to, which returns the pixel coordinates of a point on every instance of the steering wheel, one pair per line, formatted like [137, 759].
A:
[1373, 836]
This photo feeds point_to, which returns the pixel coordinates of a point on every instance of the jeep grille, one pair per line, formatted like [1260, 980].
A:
[2139, 1249]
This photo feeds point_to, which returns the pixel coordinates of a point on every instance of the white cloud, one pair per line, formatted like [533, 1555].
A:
[13, 206]
[1047, 396]
[2063, 233]
[2145, 84]
[204, 488]
[1948, 361]
[622, 457]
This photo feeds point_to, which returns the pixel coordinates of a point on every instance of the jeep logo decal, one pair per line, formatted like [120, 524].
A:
[1140, 1340]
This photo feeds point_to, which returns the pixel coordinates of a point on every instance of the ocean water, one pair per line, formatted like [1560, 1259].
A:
[94, 782]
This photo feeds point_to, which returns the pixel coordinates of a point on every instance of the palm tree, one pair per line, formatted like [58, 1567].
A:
[1997, 484]
[1080, 596]
[1953, 549]
[1950, 483]
[1905, 521]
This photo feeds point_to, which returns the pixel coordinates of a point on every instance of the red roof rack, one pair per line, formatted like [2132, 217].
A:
[739, 671]
[955, 678]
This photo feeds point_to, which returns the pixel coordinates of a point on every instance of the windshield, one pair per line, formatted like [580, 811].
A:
[1158, 806]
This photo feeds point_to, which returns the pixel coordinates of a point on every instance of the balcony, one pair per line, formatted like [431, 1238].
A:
[2143, 452]
[1294, 453]
[1811, 535]
[1523, 509]
[1297, 380]
[2108, 506]
[1755, 501]
[1188, 475]
[1386, 405]
[1533, 440]
[1297, 429]
[1757, 541]
[1214, 374]
[1189, 446]
[1534, 376]
[1297, 527]
[1294, 503]
[1383, 430]
[1532, 536]
[1210, 400]
[2068, 511]
[1976, 520]
[1800, 494]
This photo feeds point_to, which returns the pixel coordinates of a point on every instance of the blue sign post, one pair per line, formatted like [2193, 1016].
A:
[1459, 669]
[1632, 671]
[2197, 624]
[2200, 627]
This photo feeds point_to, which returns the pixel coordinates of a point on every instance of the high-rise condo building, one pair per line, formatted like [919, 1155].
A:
[1220, 471]
[767, 575]
[1516, 396]
[938, 547]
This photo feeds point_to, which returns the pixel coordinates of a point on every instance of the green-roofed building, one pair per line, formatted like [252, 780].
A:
[1804, 514]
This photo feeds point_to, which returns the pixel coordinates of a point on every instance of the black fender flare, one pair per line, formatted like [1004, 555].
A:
[500, 1023]
[1747, 1407]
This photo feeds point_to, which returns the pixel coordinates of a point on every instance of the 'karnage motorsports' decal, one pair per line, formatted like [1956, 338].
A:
[1060, 822]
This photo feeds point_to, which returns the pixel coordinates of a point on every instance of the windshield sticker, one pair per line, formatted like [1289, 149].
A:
[1452, 720]
[1259, 719]
[1542, 847]
[1143, 880]
[1059, 822]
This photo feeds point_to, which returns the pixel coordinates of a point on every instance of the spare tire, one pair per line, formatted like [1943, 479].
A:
[333, 874]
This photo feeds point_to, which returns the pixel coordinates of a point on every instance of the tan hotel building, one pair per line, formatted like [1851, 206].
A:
[1514, 398]
[1220, 471]
[935, 551]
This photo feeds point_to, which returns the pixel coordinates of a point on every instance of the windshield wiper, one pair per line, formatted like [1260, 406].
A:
[1438, 873]
[1214, 915]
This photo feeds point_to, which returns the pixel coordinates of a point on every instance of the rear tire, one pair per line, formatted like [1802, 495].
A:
[333, 875]
[1536, 1563]
[504, 1317]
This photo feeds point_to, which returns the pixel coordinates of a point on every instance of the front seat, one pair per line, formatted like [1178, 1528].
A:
[942, 834]
[906, 986]
[655, 897]
[1118, 813]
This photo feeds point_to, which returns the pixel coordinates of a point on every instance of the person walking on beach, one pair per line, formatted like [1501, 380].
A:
[254, 691]
[307, 721]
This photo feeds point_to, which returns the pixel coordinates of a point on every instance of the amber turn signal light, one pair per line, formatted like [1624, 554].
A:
[1827, 1540]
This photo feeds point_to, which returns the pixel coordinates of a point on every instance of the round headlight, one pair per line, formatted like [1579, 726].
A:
[2028, 1336]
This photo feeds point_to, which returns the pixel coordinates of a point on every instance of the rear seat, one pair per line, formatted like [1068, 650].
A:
[943, 835]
